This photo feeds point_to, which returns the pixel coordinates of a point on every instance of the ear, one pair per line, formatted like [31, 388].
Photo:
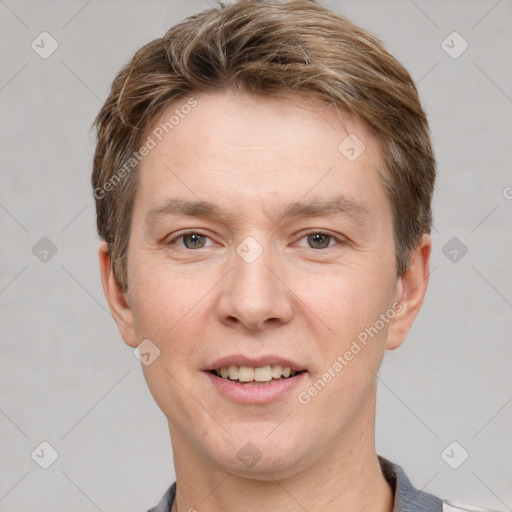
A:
[410, 291]
[116, 298]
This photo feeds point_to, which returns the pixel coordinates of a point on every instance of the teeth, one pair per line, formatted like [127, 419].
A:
[263, 374]
[249, 374]
[277, 371]
[245, 374]
[232, 372]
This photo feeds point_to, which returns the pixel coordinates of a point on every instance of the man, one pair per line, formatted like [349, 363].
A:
[263, 180]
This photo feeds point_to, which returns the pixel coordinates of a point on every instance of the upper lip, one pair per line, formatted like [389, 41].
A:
[253, 362]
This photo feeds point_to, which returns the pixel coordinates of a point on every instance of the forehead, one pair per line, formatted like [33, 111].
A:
[246, 121]
[235, 149]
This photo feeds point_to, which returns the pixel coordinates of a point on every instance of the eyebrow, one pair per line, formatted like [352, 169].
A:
[313, 208]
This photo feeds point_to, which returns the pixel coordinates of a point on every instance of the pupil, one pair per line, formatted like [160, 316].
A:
[319, 239]
[195, 240]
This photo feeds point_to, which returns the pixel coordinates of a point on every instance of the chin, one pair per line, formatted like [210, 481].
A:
[255, 454]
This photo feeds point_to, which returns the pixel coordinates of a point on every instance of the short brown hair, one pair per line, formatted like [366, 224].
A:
[267, 48]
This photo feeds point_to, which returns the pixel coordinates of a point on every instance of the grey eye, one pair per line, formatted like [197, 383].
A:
[319, 240]
[196, 240]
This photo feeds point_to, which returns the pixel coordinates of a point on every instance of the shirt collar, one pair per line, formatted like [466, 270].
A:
[407, 497]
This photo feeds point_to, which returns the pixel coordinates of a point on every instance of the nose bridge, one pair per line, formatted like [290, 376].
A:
[254, 295]
[251, 269]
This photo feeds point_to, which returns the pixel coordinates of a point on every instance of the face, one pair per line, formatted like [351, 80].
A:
[261, 266]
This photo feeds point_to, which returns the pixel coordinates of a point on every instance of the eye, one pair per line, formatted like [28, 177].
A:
[319, 240]
[196, 240]
[190, 240]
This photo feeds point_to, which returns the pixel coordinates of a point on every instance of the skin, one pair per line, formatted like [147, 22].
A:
[253, 157]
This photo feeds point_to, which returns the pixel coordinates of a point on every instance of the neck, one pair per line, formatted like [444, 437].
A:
[346, 478]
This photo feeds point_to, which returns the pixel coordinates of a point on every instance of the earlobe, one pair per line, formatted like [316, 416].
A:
[410, 292]
[116, 298]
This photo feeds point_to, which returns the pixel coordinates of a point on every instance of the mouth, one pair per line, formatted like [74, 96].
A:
[255, 380]
[260, 375]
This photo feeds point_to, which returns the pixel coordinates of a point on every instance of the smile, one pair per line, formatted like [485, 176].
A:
[260, 375]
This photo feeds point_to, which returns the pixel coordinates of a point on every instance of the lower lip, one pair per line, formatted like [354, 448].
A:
[255, 393]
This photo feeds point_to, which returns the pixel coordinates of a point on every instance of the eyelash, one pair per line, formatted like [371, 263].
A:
[312, 232]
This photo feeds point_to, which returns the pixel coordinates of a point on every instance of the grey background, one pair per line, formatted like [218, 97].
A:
[67, 378]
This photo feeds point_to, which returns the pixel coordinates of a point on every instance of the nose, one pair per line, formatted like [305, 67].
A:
[255, 293]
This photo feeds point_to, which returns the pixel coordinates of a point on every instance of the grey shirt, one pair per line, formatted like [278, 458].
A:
[407, 498]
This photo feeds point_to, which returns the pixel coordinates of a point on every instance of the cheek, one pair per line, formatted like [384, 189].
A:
[350, 352]
[348, 299]
[169, 306]
[164, 294]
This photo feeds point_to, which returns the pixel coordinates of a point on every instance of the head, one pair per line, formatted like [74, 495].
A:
[263, 179]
